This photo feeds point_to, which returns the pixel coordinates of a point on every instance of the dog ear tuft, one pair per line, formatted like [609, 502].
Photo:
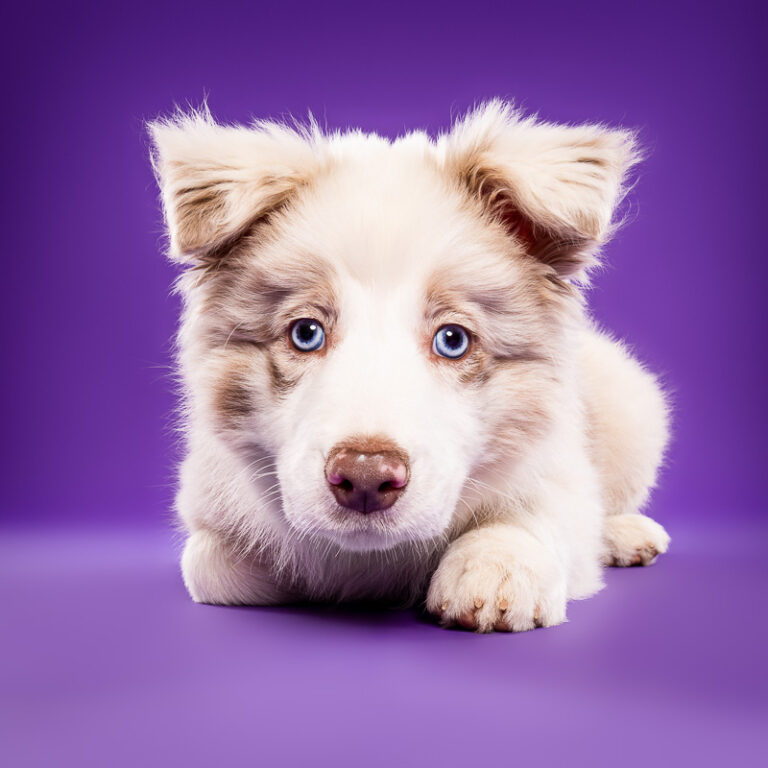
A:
[216, 181]
[554, 187]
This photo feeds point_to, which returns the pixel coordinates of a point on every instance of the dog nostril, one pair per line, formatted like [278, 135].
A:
[334, 478]
[367, 480]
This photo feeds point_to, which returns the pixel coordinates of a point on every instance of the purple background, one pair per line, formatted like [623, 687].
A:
[102, 652]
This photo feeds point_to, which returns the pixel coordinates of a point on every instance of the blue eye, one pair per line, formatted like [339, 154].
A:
[307, 335]
[451, 341]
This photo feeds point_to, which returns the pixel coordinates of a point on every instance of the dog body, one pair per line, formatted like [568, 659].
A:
[392, 386]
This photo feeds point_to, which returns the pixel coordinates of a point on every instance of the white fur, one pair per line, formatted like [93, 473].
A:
[503, 520]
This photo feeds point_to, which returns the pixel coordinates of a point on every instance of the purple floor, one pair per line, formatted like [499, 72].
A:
[105, 661]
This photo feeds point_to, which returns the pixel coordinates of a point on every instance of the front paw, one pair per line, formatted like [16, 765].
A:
[499, 578]
[215, 572]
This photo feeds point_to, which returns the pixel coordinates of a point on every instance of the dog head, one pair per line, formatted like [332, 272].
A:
[382, 321]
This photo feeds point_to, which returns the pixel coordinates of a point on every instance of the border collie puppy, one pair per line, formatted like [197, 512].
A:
[392, 388]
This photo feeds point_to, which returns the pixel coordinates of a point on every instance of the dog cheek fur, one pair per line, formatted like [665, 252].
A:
[242, 387]
[519, 407]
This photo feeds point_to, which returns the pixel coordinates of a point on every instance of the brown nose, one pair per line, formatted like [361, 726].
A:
[366, 480]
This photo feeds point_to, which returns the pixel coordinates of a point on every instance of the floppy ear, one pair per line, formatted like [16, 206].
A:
[553, 187]
[216, 181]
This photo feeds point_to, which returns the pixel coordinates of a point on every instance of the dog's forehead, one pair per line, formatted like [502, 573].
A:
[385, 213]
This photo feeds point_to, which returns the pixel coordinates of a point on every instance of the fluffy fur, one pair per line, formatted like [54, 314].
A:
[530, 457]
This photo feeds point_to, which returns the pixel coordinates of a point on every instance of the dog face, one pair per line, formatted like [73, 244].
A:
[381, 324]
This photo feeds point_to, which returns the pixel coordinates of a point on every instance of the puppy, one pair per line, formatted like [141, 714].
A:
[391, 386]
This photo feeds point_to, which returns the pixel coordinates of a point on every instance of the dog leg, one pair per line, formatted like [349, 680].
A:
[498, 578]
[214, 573]
[633, 539]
